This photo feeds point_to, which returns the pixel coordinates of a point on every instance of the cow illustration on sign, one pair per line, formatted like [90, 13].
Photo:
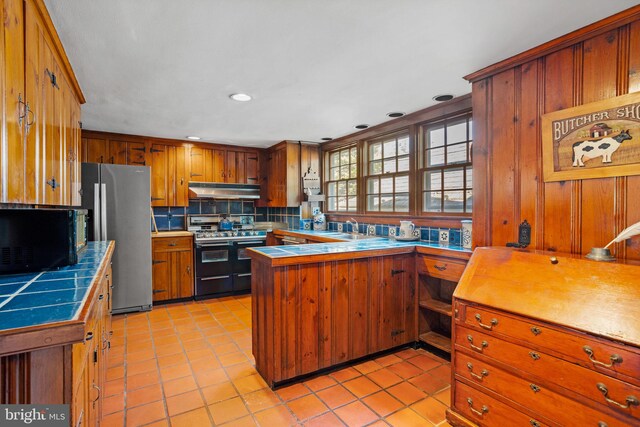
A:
[603, 146]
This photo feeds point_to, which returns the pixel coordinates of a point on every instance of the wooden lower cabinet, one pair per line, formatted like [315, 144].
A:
[172, 260]
[543, 339]
[437, 279]
[312, 316]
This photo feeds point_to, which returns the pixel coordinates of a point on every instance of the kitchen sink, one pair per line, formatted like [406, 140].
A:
[356, 236]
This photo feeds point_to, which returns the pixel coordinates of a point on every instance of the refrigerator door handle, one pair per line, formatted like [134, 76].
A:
[103, 214]
[96, 212]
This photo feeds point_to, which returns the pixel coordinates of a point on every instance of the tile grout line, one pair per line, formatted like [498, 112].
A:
[17, 292]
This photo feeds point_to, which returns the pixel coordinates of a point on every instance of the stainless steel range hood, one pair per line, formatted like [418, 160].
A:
[211, 190]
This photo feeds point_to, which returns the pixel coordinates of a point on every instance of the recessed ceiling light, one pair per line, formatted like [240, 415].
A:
[395, 114]
[327, 139]
[361, 126]
[194, 138]
[242, 97]
[441, 98]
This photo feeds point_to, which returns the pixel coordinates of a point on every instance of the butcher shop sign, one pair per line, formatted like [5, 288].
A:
[593, 140]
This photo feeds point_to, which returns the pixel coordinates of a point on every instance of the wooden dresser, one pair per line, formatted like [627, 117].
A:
[543, 339]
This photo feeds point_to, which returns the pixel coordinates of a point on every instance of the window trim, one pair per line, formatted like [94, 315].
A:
[357, 178]
[422, 168]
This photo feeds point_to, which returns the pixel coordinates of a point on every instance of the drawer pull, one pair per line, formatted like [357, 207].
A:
[480, 377]
[173, 244]
[534, 387]
[494, 322]
[614, 358]
[602, 424]
[479, 413]
[631, 400]
[534, 423]
[484, 344]
[442, 267]
[534, 355]
[535, 330]
[89, 336]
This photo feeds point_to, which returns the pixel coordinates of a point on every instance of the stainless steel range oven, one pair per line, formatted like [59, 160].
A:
[221, 265]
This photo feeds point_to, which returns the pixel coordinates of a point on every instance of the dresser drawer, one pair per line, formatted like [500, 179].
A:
[549, 405]
[603, 357]
[551, 370]
[442, 268]
[487, 411]
[172, 243]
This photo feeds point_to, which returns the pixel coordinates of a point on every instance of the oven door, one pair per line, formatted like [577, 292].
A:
[214, 268]
[242, 268]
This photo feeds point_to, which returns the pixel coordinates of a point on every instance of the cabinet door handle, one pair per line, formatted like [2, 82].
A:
[494, 322]
[442, 267]
[98, 397]
[482, 410]
[181, 181]
[483, 344]
[480, 376]
[89, 336]
[534, 355]
[630, 400]
[101, 297]
[615, 358]
[189, 269]
[173, 244]
[112, 160]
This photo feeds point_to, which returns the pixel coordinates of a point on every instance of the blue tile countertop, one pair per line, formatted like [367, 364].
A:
[36, 299]
[347, 246]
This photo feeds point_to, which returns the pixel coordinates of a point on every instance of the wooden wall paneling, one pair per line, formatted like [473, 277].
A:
[12, 85]
[482, 221]
[557, 80]
[529, 151]
[308, 351]
[599, 71]
[358, 309]
[290, 321]
[502, 129]
[375, 302]
[340, 311]
[324, 313]
[631, 248]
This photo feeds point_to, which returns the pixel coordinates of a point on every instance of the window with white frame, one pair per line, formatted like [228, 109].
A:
[446, 165]
[387, 174]
[342, 182]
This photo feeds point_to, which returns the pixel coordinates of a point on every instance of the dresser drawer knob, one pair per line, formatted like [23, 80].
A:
[602, 424]
[614, 358]
[534, 423]
[534, 355]
[631, 400]
[484, 344]
[479, 413]
[534, 387]
[483, 373]
[494, 322]
[535, 330]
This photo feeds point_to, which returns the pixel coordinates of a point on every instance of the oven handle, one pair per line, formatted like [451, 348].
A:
[244, 274]
[214, 278]
[255, 242]
[211, 245]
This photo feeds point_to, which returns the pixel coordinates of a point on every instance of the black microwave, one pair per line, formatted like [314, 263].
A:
[40, 239]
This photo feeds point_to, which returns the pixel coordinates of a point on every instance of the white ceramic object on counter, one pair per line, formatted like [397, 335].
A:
[406, 229]
[466, 233]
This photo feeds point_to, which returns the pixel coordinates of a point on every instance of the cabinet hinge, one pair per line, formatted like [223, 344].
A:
[395, 332]
[157, 198]
[139, 163]
[155, 150]
[394, 272]
[157, 291]
[80, 124]
[157, 261]
[143, 149]
[195, 174]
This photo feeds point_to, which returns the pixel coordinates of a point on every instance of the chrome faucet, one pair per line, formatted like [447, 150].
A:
[356, 230]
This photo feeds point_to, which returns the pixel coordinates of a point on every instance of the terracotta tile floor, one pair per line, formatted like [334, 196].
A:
[191, 365]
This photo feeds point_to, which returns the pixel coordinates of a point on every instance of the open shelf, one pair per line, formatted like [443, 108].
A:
[437, 340]
[437, 306]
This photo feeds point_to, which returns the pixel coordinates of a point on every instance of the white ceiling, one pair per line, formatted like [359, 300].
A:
[315, 68]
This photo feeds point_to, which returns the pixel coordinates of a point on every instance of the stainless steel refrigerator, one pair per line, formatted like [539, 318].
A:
[118, 199]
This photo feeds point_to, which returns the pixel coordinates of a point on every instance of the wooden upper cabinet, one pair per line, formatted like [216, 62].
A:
[160, 179]
[252, 168]
[12, 110]
[51, 113]
[95, 150]
[137, 154]
[284, 172]
[181, 179]
[196, 164]
[215, 166]
[242, 167]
